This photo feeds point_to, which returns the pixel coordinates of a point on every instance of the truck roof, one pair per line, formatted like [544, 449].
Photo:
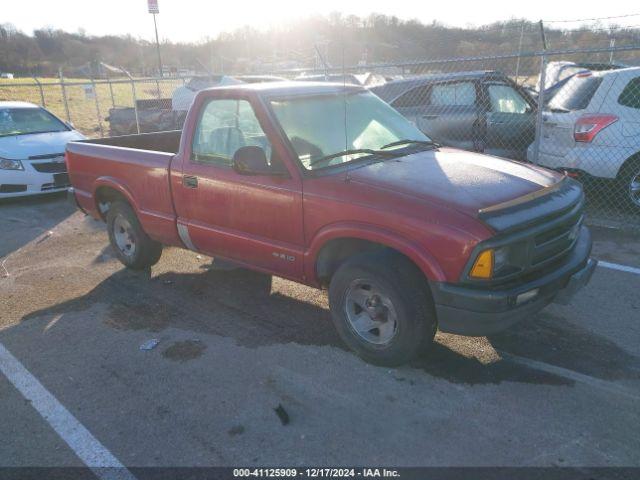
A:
[289, 88]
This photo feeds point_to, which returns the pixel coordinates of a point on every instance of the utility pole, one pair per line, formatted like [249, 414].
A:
[154, 10]
[519, 53]
[155, 24]
[612, 45]
[541, 99]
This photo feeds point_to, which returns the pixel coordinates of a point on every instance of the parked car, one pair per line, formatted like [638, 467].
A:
[368, 79]
[559, 73]
[592, 128]
[407, 236]
[32, 143]
[482, 111]
[563, 70]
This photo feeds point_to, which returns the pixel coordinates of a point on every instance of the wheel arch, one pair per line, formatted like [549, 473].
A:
[333, 246]
[106, 191]
[628, 164]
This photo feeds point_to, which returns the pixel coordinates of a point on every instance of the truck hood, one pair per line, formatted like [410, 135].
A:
[21, 147]
[465, 181]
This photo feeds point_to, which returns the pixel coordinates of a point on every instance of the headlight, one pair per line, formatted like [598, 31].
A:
[6, 164]
[500, 259]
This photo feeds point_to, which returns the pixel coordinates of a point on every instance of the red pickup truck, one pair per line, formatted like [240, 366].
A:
[329, 186]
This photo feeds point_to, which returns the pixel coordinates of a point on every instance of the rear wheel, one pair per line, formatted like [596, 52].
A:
[630, 184]
[382, 308]
[131, 244]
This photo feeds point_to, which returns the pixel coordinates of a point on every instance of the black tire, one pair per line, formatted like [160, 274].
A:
[399, 282]
[630, 173]
[145, 252]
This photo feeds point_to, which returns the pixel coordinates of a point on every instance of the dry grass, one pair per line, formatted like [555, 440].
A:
[83, 112]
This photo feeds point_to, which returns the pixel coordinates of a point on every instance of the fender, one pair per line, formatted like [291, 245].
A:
[117, 185]
[417, 253]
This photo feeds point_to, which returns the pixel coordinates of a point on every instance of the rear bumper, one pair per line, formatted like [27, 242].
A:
[600, 161]
[477, 312]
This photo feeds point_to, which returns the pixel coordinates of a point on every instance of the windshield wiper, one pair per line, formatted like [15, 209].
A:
[427, 143]
[351, 152]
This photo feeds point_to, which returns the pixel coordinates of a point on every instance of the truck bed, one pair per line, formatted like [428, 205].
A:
[136, 167]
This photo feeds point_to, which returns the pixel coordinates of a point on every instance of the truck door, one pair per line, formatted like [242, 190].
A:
[510, 121]
[252, 219]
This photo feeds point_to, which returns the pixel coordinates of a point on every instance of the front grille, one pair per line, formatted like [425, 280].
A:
[557, 241]
[50, 167]
[46, 156]
[542, 239]
[9, 188]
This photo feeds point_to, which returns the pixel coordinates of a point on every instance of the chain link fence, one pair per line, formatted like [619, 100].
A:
[104, 107]
[588, 125]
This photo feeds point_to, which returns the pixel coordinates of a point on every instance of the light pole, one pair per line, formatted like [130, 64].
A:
[154, 10]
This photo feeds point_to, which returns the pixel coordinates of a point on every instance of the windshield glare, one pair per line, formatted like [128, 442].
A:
[325, 125]
[23, 121]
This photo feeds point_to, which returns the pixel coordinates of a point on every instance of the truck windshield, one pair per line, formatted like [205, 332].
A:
[24, 121]
[354, 123]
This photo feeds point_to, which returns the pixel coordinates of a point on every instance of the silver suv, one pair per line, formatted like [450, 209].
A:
[592, 129]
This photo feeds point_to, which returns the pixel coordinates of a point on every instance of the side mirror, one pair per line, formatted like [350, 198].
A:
[251, 160]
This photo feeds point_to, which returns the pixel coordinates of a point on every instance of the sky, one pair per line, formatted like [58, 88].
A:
[196, 20]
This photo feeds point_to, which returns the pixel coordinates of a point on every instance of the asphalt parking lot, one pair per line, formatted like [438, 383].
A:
[562, 389]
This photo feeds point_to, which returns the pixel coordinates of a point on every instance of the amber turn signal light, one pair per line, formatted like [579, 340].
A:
[483, 266]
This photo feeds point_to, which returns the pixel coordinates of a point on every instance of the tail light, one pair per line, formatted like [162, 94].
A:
[588, 126]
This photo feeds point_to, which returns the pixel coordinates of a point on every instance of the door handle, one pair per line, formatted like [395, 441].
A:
[429, 117]
[496, 122]
[190, 181]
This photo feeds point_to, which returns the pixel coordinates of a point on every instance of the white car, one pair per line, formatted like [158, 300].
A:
[32, 145]
[592, 128]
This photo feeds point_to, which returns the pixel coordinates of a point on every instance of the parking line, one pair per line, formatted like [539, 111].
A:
[571, 375]
[76, 436]
[617, 266]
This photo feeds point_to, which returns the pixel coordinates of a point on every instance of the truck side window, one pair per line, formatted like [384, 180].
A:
[225, 126]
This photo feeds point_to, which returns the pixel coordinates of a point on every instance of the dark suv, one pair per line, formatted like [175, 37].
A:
[483, 111]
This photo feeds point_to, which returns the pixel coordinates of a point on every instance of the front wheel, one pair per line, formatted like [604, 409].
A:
[131, 244]
[382, 308]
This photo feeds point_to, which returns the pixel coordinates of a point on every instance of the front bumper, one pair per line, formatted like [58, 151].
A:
[478, 312]
[18, 183]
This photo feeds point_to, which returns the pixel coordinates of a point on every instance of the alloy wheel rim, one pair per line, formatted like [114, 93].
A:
[370, 313]
[124, 236]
